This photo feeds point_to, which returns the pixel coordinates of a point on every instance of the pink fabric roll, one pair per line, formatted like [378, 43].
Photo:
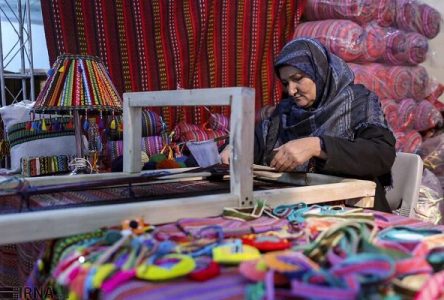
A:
[406, 113]
[395, 46]
[393, 82]
[408, 141]
[419, 82]
[391, 108]
[386, 13]
[344, 38]
[427, 116]
[374, 42]
[416, 17]
[359, 11]
[182, 128]
[417, 47]
[150, 144]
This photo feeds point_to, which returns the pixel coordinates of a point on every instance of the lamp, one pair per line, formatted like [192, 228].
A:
[78, 83]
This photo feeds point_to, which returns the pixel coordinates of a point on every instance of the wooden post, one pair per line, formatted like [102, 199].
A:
[132, 134]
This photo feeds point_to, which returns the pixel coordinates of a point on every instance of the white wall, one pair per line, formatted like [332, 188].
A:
[39, 49]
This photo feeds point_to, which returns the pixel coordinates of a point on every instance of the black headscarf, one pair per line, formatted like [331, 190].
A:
[341, 107]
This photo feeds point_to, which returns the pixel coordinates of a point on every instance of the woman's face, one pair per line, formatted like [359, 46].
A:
[300, 87]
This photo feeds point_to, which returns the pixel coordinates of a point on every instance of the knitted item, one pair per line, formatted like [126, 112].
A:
[41, 166]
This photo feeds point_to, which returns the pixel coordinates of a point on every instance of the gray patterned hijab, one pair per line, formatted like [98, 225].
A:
[341, 107]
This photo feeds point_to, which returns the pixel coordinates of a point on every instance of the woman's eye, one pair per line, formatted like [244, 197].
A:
[296, 79]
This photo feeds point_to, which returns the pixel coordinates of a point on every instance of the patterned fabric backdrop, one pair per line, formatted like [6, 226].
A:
[160, 45]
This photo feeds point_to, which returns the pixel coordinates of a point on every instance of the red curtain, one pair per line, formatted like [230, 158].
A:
[168, 44]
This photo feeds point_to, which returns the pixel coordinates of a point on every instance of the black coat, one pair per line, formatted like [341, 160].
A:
[369, 156]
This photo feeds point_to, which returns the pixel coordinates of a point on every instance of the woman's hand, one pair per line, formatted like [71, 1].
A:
[295, 153]
[225, 155]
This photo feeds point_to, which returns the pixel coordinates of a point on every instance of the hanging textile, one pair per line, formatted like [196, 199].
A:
[161, 45]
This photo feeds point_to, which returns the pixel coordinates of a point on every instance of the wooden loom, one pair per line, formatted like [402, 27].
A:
[40, 225]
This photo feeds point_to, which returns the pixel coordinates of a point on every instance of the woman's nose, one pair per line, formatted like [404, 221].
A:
[292, 89]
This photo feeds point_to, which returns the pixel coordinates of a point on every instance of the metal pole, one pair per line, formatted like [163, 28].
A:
[30, 54]
[2, 71]
[22, 46]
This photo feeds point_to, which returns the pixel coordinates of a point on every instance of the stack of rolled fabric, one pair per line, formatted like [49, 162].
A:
[395, 82]
[344, 38]
[359, 11]
[384, 41]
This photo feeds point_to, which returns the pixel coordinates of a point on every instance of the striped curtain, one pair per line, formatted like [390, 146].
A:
[171, 44]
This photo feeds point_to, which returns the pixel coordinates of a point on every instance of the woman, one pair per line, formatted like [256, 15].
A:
[325, 123]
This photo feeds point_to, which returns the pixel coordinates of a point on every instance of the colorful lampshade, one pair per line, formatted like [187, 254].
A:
[78, 82]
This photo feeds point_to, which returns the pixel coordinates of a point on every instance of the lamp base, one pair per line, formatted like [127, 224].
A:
[80, 165]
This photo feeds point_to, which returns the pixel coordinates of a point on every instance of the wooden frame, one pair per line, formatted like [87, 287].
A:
[30, 226]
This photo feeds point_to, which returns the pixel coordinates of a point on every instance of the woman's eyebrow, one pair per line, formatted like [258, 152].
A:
[296, 75]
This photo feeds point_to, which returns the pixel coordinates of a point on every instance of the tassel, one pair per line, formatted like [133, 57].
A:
[99, 144]
[62, 69]
[121, 127]
[56, 125]
[70, 125]
[113, 124]
[28, 125]
[44, 125]
[86, 124]
[101, 124]
[50, 72]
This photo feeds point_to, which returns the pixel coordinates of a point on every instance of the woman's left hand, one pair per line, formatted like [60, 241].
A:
[295, 153]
